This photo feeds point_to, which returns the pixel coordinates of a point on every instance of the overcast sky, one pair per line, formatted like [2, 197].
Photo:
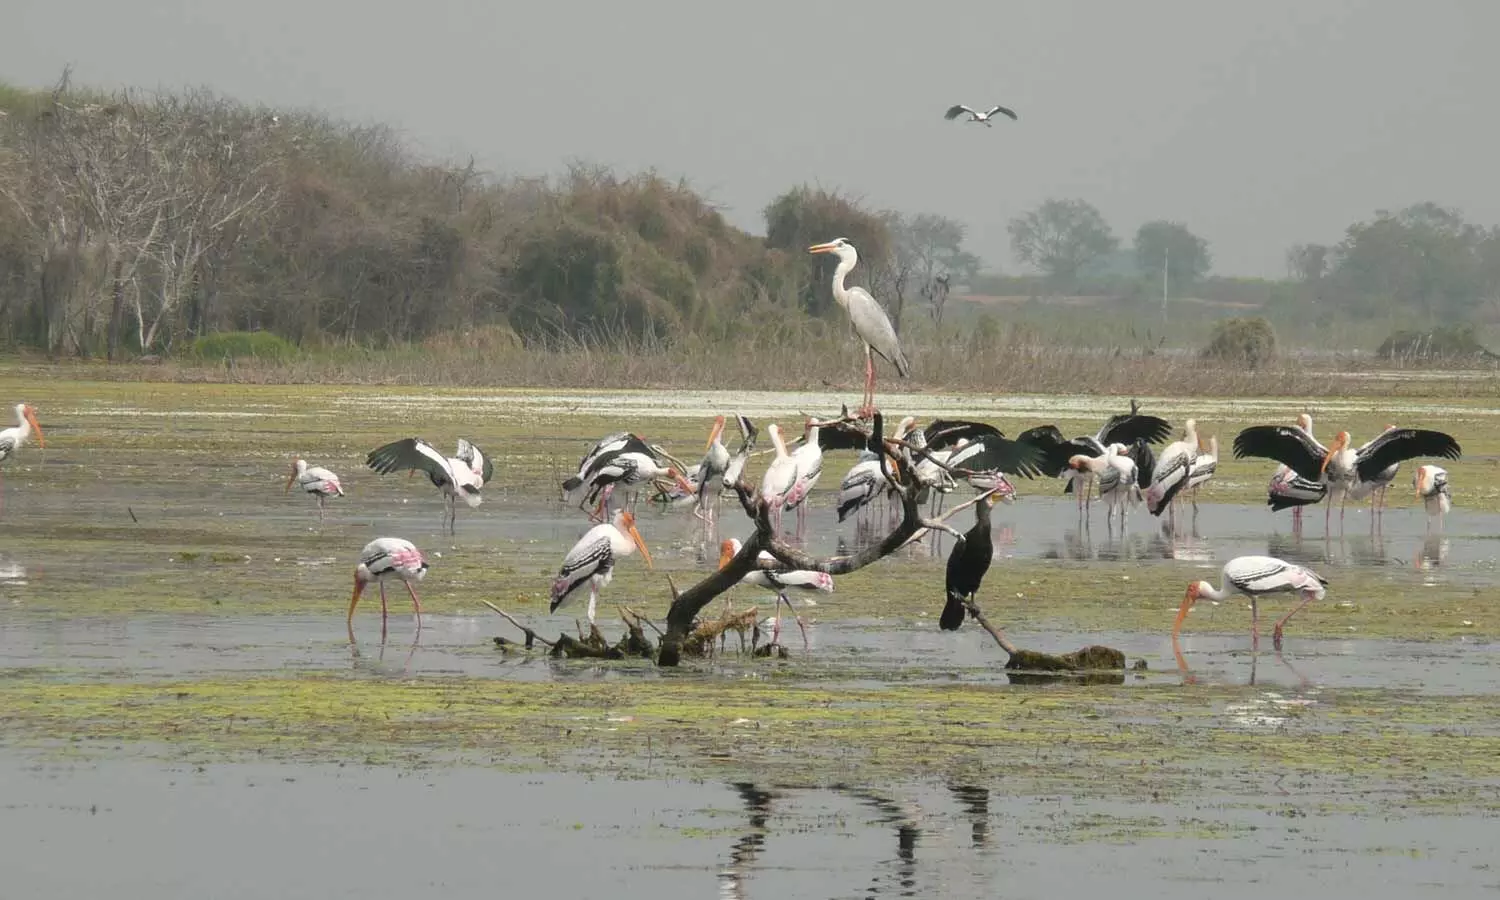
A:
[1258, 124]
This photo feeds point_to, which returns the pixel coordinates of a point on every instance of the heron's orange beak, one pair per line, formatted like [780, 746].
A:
[821, 248]
[359, 587]
[726, 553]
[35, 426]
[681, 482]
[639, 543]
[1187, 603]
[718, 430]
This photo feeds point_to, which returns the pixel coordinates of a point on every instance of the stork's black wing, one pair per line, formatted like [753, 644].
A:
[410, 453]
[1398, 444]
[1145, 462]
[1126, 428]
[999, 454]
[1056, 450]
[942, 434]
[1287, 444]
[842, 436]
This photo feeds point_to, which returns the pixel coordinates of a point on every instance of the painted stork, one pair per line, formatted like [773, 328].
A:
[779, 581]
[1256, 577]
[712, 467]
[1290, 490]
[463, 475]
[982, 118]
[1340, 466]
[385, 558]
[1375, 487]
[864, 480]
[1431, 483]
[780, 476]
[809, 460]
[608, 446]
[984, 454]
[315, 480]
[593, 558]
[632, 465]
[736, 468]
[1204, 466]
[868, 318]
[11, 439]
[1134, 430]
[967, 563]
[1173, 471]
[1115, 474]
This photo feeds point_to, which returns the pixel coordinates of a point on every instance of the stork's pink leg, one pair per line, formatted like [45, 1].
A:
[802, 626]
[381, 582]
[1307, 597]
[1254, 626]
[416, 605]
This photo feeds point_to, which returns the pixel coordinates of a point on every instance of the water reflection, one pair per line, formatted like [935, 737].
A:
[11, 571]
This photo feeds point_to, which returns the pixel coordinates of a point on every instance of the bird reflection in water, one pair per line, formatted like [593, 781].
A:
[1189, 678]
[1434, 551]
[907, 834]
[747, 847]
[976, 802]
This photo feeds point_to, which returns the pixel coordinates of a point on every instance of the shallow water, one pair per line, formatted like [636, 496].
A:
[149, 830]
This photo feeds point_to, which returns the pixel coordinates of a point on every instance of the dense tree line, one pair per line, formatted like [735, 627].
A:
[132, 223]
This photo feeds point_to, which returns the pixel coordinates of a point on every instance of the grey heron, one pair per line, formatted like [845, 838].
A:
[868, 318]
[976, 116]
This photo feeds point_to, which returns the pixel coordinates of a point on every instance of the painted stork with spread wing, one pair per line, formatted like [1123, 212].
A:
[1431, 483]
[1340, 466]
[314, 480]
[620, 459]
[11, 439]
[385, 558]
[460, 476]
[868, 317]
[1133, 430]
[976, 116]
[967, 563]
[780, 581]
[1290, 490]
[1256, 577]
[592, 560]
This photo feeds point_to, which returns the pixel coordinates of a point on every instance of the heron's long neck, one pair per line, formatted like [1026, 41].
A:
[846, 265]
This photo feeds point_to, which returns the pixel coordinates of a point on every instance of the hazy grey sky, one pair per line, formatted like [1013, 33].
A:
[1259, 124]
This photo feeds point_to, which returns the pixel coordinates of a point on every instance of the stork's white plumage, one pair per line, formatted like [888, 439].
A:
[456, 477]
[779, 581]
[385, 558]
[592, 560]
[314, 480]
[781, 475]
[867, 316]
[1114, 472]
[809, 461]
[1204, 466]
[1173, 470]
[1256, 577]
[11, 439]
[977, 116]
[1431, 483]
[1288, 489]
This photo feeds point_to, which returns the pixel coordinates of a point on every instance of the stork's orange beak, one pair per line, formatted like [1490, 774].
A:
[1187, 603]
[726, 553]
[289, 479]
[35, 426]
[717, 430]
[683, 483]
[639, 543]
[359, 587]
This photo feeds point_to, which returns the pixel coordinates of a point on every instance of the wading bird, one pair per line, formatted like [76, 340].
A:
[385, 558]
[976, 116]
[1115, 473]
[314, 480]
[967, 563]
[1204, 466]
[1432, 488]
[809, 460]
[1340, 466]
[593, 558]
[1290, 490]
[1174, 469]
[1256, 577]
[864, 481]
[608, 446]
[11, 439]
[779, 581]
[868, 318]
[780, 476]
[709, 476]
[632, 465]
[1134, 430]
[463, 475]
[736, 467]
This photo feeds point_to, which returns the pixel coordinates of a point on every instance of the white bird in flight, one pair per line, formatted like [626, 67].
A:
[976, 116]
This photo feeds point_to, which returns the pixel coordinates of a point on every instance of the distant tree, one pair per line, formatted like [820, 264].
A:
[1424, 256]
[1060, 238]
[1307, 262]
[805, 216]
[924, 248]
[1186, 255]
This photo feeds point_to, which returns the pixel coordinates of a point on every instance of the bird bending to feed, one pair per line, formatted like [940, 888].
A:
[1340, 466]
[976, 116]
[463, 475]
[967, 563]
[620, 459]
[592, 559]
[314, 480]
[1432, 488]
[11, 439]
[868, 318]
[385, 558]
[779, 580]
[1256, 577]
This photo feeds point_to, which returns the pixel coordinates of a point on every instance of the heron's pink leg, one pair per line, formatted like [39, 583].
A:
[416, 605]
[1307, 597]
[869, 406]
